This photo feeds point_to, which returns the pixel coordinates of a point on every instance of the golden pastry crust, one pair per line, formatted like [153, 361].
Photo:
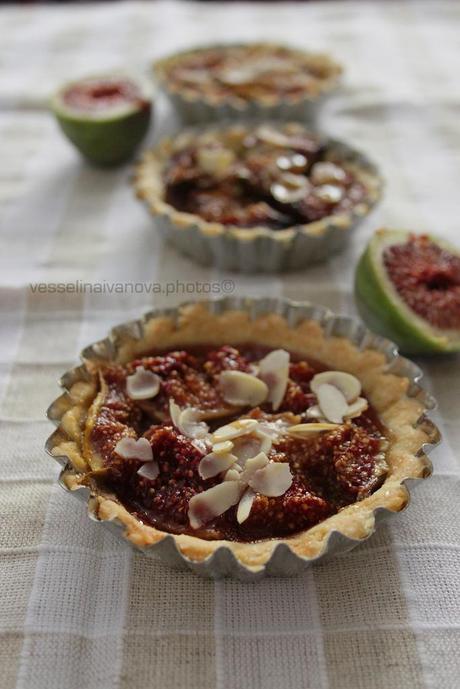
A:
[403, 416]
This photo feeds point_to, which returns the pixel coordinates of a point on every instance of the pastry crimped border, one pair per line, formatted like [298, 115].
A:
[390, 394]
[326, 85]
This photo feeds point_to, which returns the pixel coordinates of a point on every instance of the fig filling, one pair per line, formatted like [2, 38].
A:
[102, 94]
[427, 277]
[270, 177]
[234, 443]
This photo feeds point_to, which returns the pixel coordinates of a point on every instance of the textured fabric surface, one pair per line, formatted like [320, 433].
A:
[77, 607]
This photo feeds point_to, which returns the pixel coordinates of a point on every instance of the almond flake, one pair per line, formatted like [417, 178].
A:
[330, 193]
[143, 384]
[266, 441]
[348, 384]
[314, 413]
[274, 371]
[356, 408]
[273, 428]
[222, 448]
[285, 193]
[216, 160]
[324, 172]
[252, 465]
[149, 470]
[251, 445]
[202, 445]
[232, 475]
[332, 402]
[212, 464]
[211, 503]
[306, 429]
[273, 480]
[271, 136]
[130, 448]
[188, 421]
[174, 412]
[234, 430]
[245, 505]
[241, 388]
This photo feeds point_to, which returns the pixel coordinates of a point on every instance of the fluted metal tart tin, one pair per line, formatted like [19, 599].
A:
[256, 249]
[223, 563]
[198, 109]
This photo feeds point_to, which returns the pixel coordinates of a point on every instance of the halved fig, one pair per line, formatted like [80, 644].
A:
[407, 288]
[105, 117]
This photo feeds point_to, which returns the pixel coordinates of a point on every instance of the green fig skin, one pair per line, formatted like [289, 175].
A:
[104, 141]
[382, 314]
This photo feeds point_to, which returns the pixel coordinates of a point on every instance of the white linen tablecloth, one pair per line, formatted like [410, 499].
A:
[79, 609]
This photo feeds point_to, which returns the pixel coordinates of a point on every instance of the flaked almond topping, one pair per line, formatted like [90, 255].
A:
[143, 384]
[252, 465]
[330, 193]
[234, 430]
[290, 189]
[212, 464]
[215, 160]
[274, 371]
[306, 429]
[275, 428]
[297, 162]
[174, 412]
[272, 136]
[149, 470]
[222, 448]
[188, 421]
[273, 480]
[324, 172]
[245, 505]
[314, 413]
[240, 388]
[356, 408]
[130, 448]
[204, 507]
[266, 441]
[348, 384]
[332, 402]
[232, 475]
[248, 446]
[202, 445]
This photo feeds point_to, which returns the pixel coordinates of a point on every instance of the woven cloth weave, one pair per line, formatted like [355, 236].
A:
[79, 609]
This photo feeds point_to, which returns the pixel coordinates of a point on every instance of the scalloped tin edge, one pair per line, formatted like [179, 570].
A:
[283, 561]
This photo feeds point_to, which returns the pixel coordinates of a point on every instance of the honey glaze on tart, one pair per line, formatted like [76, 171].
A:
[233, 443]
[268, 176]
[257, 72]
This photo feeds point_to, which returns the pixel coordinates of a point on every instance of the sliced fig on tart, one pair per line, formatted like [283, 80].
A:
[407, 288]
[105, 117]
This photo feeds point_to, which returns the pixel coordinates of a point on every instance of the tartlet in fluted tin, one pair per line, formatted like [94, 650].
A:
[234, 81]
[257, 197]
[242, 437]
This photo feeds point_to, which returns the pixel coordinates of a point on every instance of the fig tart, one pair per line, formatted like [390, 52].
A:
[235, 431]
[247, 80]
[257, 197]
